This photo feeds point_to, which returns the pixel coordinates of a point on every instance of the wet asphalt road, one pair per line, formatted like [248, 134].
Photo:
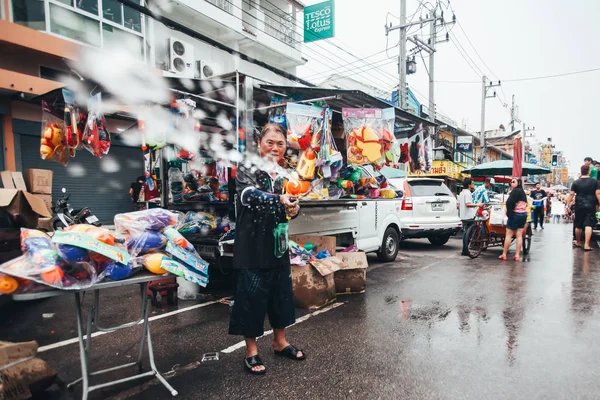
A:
[432, 325]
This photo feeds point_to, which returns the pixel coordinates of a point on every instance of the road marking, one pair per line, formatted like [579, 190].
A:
[100, 333]
[241, 344]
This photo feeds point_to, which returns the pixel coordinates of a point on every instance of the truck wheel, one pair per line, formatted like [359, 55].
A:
[389, 246]
[439, 240]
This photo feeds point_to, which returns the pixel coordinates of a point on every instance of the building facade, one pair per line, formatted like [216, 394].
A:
[40, 39]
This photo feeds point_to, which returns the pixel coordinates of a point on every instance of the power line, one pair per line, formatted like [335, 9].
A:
[583, 71]
[476, 52]
[336, 70]
[552, 76]
[466, 57]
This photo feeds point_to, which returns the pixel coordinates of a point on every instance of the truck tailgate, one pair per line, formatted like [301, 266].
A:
[325, 218]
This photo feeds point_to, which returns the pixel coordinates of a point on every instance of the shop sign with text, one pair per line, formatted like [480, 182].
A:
[319, 21]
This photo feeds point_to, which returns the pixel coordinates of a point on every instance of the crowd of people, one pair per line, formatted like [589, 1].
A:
[579, 205]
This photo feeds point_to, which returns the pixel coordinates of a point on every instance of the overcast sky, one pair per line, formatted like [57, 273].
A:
[515, 38]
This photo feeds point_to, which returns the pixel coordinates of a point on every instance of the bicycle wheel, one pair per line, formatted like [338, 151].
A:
[475, 240]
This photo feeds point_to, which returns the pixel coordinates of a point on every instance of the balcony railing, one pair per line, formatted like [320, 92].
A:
[225, 5]
[282, 27]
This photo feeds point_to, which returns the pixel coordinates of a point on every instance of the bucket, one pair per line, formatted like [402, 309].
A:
[187, 290]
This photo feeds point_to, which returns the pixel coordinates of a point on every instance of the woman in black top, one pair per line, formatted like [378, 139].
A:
[261, 260]
[516, 211]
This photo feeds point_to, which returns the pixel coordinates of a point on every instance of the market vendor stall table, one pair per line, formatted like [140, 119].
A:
[92, 321]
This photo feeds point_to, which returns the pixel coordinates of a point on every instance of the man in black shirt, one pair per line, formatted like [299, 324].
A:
[538, 195]
[588, 197]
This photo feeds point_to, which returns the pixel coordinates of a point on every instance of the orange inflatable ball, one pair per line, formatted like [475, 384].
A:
[53, 275]
[8, 284]
[152, 263]
[297, 187]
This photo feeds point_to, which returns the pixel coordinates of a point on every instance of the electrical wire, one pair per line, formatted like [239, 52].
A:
[323, 58]
[534, 78]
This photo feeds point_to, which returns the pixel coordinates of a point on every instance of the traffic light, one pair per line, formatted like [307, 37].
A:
[554, 160]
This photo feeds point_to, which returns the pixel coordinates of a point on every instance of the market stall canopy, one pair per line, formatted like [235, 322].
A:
[338, 99]
[504, 167]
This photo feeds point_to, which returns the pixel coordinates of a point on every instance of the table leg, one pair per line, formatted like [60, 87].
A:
[145, 309]
[153, 364]
[83, 356]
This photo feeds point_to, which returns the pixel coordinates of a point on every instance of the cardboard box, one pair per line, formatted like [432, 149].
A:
[24, 206]
[13, 180]
[352, 277]
[45, 224]
[26, 374]
[47, 199]
[39, 181]
[314, 288]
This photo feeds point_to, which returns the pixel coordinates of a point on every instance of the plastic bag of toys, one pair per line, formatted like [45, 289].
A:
[197, 222]
[154, 219]
[364, 134]
[303, 123]
[73, 135]
[391, 145]
[53, 143]
[96, 138]
[41, 262]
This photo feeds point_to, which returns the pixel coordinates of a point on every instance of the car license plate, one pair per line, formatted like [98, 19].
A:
[437, 206]
[207, 251]
[92, 219]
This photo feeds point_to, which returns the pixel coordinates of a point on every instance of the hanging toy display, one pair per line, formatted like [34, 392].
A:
[365, 135]
[329, 158]
[96, 138]
[303, 122]
[391, 145]
[72, 133]
[53, 143]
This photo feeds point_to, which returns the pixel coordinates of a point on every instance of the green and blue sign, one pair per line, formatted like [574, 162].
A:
[319, 21]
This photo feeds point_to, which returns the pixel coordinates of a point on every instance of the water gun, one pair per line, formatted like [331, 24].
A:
[306, 165]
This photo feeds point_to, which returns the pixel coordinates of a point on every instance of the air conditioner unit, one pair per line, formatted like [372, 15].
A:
[181, 58]
[205, 70]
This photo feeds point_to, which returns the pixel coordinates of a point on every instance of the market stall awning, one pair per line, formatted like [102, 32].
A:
[339, 98]
[504, 167]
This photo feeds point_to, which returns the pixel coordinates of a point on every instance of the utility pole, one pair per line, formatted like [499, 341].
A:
[432, 35]
[402, 57]
[512, 114]
[421, 45]
[484, 96]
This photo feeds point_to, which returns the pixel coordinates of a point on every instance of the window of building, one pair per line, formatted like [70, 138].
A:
[114, 37]
[81, 20]
[29, 13]
[73, 25]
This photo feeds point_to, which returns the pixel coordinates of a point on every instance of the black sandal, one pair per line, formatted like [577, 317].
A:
[252, 362]
[291, 352]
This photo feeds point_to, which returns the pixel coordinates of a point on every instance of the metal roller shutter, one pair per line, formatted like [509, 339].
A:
[101, 184]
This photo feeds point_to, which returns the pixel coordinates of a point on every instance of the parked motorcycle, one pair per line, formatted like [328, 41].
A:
[67, 216]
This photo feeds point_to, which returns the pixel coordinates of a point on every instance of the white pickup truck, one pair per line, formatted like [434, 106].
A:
[372, 225]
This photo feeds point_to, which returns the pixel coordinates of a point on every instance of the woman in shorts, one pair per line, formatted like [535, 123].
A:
[516, 211]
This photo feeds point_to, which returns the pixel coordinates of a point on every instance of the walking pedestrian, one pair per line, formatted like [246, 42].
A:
[516, 211]
[558, 210]
[587, 191]
[261, 258]
[467, 211]
[589, 161]
[539, 196]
